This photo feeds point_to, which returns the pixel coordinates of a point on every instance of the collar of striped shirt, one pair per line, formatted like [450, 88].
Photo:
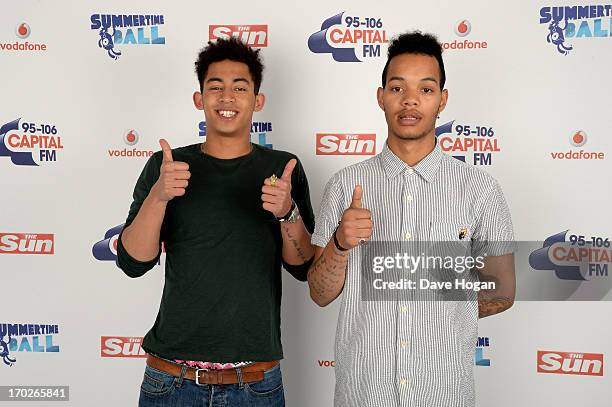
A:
[427, 168]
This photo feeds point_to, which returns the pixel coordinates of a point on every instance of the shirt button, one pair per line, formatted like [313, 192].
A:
[408, 236]
[409, 198]
[404, 309]
[403, 381]
[404, 344]
[410, 171]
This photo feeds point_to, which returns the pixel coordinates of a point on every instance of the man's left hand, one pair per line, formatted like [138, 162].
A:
[276, 192]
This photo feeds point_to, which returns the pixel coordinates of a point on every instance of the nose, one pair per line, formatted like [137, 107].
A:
[227, 96]
[411, 98]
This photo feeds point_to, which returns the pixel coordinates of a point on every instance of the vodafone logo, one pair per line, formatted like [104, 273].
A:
[346, 144]
[578, 139]
[131, 137]
[26, 243]
[584, 364]
[23, 30]
[326, 363]
[121, 347]
[251, 35]
[463, 28]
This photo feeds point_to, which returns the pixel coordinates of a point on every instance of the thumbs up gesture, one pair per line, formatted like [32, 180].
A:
[173, 176]
[356, 222]
[276, 192]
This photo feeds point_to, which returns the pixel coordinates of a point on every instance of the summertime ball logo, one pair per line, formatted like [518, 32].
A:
[575, 22]
[121, 29]
[349, 38]
[31, 338]
[259, 132]
[30, 143]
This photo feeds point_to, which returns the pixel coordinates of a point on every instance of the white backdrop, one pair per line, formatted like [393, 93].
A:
[532, 96]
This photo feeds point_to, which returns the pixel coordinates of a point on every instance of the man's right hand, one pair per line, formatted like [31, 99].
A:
[356, 223]
[173, 176]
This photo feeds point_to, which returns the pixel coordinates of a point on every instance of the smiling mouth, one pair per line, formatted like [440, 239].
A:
[227, 114]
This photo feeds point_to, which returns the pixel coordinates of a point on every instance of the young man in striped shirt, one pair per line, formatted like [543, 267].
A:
[410, 350]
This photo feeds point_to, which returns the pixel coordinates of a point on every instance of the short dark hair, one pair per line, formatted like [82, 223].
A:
[229, 49]
[415, 42]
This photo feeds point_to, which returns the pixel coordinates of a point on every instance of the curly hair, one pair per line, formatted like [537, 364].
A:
[229, 49]
[415, 43]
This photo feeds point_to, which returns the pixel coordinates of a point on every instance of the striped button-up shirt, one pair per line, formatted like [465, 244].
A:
[410, 353]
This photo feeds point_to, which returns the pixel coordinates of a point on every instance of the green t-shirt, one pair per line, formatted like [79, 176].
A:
[222, 292]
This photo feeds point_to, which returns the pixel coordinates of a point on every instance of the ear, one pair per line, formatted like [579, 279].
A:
[198, 100]
[260, 101]
[443, 101]
[379, 97]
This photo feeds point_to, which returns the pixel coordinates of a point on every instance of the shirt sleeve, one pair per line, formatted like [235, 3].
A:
[330, 213]
[494, 233]
[301, 195]
[149, 175]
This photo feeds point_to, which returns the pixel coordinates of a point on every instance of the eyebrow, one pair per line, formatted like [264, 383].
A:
[213, 79]
[399, 78]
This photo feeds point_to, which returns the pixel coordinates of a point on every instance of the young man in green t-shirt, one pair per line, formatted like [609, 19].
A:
[229, 212]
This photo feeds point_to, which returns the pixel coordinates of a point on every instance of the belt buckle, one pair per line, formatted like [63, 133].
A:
[197, 376]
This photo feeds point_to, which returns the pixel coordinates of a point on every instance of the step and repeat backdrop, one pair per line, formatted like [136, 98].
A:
[88, 88]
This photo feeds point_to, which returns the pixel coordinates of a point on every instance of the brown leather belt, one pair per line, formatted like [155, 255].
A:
[251, 373]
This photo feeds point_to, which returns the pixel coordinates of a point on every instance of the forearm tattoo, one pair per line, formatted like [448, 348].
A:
[489, 305]
[296, 244]
[328, 273]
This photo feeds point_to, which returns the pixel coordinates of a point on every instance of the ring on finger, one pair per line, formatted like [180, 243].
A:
[273, 180]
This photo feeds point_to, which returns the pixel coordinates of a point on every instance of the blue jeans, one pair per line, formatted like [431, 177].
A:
[159, 389]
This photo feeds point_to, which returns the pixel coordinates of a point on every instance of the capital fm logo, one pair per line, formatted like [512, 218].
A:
[482, 343]
[254, 35]
[578, 138]
[259, 132]
[27, 243]
[26, 338]
[473, 143]
[462, 29]
[126, 29]
[574, 256]
[570, 363]
[130, 139]
[582, 22]
[30, 143]
[350, 37]
[106, 249]
[121, 347]
[22, 32]
[345, 144]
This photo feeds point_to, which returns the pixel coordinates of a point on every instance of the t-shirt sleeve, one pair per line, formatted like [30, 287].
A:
[330, 213]
[301, 195]
[146, 180]
[494, 233]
